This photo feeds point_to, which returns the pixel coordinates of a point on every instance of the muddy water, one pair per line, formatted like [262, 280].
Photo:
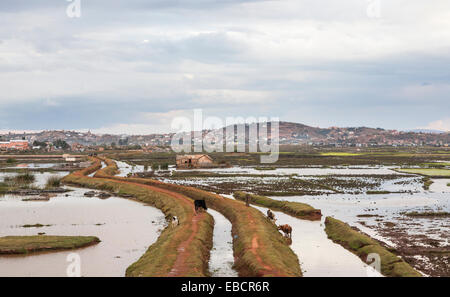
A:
[318, 255]
[125, 228]
[221, 259]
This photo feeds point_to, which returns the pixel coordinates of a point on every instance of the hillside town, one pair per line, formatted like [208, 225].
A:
[289, 134]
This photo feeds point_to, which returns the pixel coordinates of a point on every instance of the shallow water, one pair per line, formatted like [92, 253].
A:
[124, 227]
[318, 255]
[354, 170]
[32, 165]
[126, 169]
[221, 259]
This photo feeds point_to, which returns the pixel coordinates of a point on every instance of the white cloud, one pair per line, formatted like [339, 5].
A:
[441, 125]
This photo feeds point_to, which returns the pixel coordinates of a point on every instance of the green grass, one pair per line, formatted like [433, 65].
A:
[429, 214]
[427, 182]
[431, 172]
[35, 226]
[41, 243]
[21, 179]
[111, 169]
[295, 209]
[53, 182]
[265, 168]
[377, 192]
[11, 161]
[362, 245]
[339, 154]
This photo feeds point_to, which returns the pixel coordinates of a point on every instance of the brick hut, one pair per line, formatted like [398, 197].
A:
[194, 161]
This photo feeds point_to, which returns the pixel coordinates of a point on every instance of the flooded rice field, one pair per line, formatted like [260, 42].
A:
[376, 200]
[126, 229]
[298, 181]
[221, 259]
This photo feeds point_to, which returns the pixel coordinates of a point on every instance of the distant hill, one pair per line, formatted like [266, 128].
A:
[289, 133]
[426, 131]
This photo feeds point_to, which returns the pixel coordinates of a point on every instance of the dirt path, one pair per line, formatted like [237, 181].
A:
[255, 247]
[180, 267]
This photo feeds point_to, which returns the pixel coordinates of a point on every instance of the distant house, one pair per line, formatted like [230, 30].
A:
[76, 147]
[194, 161]
[20, 145]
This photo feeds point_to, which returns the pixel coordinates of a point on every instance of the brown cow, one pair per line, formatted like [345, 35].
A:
[287, 230]
[271, 216]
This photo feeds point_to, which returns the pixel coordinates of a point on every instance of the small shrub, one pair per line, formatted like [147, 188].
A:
[53, 182]
[11, 161]
[24, 178]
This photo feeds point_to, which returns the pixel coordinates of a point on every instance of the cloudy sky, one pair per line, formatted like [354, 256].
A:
[132, 66]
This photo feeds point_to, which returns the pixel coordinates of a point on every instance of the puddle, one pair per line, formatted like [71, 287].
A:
[124, 226]
[221, 259]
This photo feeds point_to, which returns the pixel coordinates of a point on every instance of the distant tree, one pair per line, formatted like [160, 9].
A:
[61, 144]
[123, 141]
[11, 161]
[39, 143]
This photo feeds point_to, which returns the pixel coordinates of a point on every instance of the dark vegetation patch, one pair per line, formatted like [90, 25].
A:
[296, 209]
[35, 226]
[42, 243]
[362, 245]
[429, 214]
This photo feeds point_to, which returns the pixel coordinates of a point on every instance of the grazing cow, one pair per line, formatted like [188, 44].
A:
[174, 221]
[271, 216]
[200, 204]
[287, 230]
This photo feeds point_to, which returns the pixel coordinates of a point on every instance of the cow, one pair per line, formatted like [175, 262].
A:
[174, 222]
[287, 230]
[271, 216]
[200, 204]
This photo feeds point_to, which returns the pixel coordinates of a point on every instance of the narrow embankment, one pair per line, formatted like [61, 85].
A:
[179, 251]
[362, 245]
[12, 245]
[295, 209]
[259, 249]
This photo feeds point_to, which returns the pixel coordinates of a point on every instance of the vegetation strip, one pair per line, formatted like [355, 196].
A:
[11, 245]
[295, 209]
[259, 249]
[430, 172]
[429, 214]
[192, 238]
[362, 245]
